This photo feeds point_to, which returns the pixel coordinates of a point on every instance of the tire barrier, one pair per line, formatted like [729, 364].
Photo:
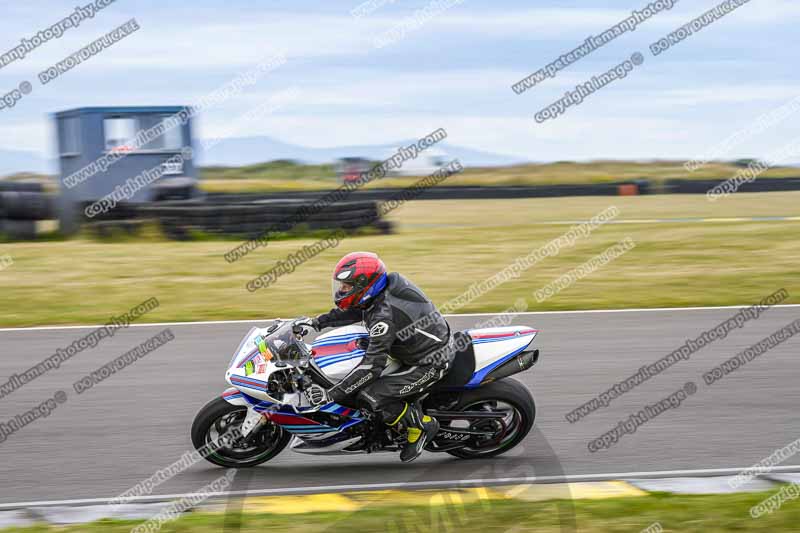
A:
[679, 186]
[252, 215]
[180, 220]
[21, 186]
[18, 230]
[456, 193]
[180, 188]
[21, 205]
[625, 188]
[107, 229]
[27, 205]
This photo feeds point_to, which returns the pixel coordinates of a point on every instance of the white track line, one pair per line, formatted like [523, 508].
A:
[409, 485]
[526, 313]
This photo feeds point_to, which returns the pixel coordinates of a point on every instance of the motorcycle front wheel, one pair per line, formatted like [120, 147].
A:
[211, 432]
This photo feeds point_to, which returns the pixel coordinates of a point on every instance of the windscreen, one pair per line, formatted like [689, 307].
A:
[283, 344]
[245, 348]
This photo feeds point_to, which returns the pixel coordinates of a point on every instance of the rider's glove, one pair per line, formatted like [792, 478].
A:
[309, 322]
[317, 395]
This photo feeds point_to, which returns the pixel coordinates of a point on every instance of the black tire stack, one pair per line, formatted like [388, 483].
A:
[179, 220]
[681, 186]
[21, 206]
[124, 219]
[252, 219]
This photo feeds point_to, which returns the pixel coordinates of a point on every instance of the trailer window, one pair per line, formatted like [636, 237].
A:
[120, 134]
[69, 136]
[155, 133]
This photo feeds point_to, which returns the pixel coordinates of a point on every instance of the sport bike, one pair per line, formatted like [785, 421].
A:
[278, 397]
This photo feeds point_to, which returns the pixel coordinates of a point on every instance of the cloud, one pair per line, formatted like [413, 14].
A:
[352, 94]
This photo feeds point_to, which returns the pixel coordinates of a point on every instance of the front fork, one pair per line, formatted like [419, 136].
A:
[252, 422]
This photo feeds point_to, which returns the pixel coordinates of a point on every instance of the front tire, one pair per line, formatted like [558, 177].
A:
[508, 395]
[217, 418]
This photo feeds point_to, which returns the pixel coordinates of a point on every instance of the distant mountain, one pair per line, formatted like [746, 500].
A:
[244, 151]
[15, 161]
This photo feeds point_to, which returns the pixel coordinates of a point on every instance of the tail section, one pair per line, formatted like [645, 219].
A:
[500, 352]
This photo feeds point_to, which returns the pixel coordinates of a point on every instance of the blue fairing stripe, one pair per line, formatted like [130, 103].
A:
[478, 376]
[338, 339]
[481, 341]
[329, 362]
[339, 361]
[350, 423]
[233, 396]
[306, 429]
[249, 383]
[325, 358]
[334, 408]
[256, 403]
[248, 380]
[259, 389]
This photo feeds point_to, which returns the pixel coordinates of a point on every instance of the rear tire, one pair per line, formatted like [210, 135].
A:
[220, 416]
[508, 391]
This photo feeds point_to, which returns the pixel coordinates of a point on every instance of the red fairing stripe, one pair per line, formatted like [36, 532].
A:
[333, 349]
[247, 381]
[281, 418]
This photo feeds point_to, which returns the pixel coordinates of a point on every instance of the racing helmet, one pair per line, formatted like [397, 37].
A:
[357, 279]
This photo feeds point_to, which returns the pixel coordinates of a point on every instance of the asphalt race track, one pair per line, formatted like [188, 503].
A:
[100, 443]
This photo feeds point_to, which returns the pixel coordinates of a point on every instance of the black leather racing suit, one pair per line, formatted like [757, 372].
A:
[402, 322]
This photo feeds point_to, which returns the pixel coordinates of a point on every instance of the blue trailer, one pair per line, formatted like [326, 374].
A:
[103, 148]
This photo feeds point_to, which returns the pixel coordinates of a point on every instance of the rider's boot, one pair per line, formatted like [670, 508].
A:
[421, 430]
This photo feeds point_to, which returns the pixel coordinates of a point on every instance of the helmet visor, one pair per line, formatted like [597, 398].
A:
[341, 290]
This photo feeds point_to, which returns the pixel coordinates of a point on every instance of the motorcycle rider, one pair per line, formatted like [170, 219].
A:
[388, 304]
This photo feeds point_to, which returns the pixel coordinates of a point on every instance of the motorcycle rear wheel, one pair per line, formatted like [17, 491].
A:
[508, 395]
[217, 418]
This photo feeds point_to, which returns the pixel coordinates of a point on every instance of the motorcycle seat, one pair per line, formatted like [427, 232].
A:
[463, 365]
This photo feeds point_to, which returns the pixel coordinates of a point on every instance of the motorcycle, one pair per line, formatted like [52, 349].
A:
[278, 397]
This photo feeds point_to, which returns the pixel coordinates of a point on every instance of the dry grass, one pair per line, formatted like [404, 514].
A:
[262, 178]
[444, 247]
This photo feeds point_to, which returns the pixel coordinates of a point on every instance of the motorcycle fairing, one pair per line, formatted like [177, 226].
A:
[293, 420]
[247, 349]
[234, 396]
[494, 346]
[338, 352]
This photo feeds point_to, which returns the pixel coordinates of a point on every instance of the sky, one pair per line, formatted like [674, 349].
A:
[453, 71]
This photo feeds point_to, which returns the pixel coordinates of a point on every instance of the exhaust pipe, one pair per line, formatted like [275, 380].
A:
[520, 363]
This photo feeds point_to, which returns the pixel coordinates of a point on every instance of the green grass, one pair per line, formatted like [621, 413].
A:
[283, 176]
[271, 176]
[687, 514]
[279, 176]
[443, 246]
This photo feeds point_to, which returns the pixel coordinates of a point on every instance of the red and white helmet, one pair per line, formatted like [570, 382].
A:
[357, 278]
